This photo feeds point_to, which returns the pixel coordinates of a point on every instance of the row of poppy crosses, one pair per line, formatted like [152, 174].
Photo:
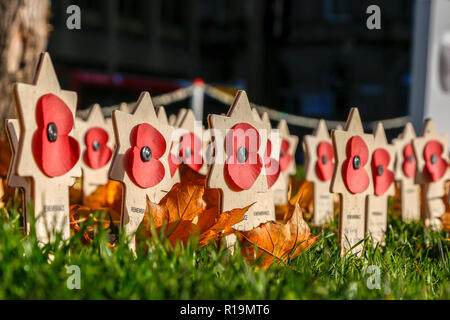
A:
[362, 168]
[145, 163]
[51, 148]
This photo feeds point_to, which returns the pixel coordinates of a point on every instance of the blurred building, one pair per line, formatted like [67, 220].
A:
[313, 58]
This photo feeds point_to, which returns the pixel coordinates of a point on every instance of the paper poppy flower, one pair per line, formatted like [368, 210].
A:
[354, 175]
[174, 163]
[97, 152]
[271, 165]
[285, 156]
[409, 161]
[382, 176]
[190, 151]
[325, 161]
[54, 151]
[142, 159]
[243, 164]
[435, 166]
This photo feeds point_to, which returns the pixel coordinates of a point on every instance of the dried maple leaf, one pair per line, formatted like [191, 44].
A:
[223, 226]
[190, 208]
[277, 241]
[76, 192]
[177, 210]
[304, 196]
[106, 196]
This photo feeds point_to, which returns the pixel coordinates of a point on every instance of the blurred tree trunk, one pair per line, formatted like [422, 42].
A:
[24, 33]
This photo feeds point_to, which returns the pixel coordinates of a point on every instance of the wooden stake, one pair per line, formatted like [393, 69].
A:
[405, 172]
[281, 187]
[382, 166]
[319, 168]
[231, 198]
[352, 180]
[50, 187]
[134, 195]
[432, 171]
[15, 181]
[95, 157]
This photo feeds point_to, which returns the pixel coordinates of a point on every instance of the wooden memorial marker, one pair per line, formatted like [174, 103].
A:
[382, 167]
[352, 180]
[287, 163]
[432, 171]
[15, 181]
[140, 161]
[319, 167]
[405, 172]
[96, 138]
[238, 170]
[265, 200]
[47, 153]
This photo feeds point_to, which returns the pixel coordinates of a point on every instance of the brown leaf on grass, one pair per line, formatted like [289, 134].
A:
[176, 211]
[304, 196]
[190, 208]
[277, 242]
[223, 226]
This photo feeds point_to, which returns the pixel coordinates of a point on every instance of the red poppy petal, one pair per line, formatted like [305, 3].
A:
[272, 171]
[58, 157]
[174, 163]
[356, 180]
[382, 178]
[51, 109]
[434, 164]
[143, 174]
[96, 158]
[146, 135]
[242, 176]
[55, 158]
[409, 161]
[325, 161]
[240, 135]
[190, 151]
[285, 157]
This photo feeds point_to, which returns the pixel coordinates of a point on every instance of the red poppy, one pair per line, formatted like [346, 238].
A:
[142, 159]
[190, 151]
[174, 163]
[271, 165]
[409, 161]
[285, 156]
[243, 164]
[97, 152]
[434, 164]
[355, 176]
[382, 176]
[54, 151]
[325, 161]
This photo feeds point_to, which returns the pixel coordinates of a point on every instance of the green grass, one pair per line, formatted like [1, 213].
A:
[413, 265]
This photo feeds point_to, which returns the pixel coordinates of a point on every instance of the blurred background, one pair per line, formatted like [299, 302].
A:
[311, 58]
